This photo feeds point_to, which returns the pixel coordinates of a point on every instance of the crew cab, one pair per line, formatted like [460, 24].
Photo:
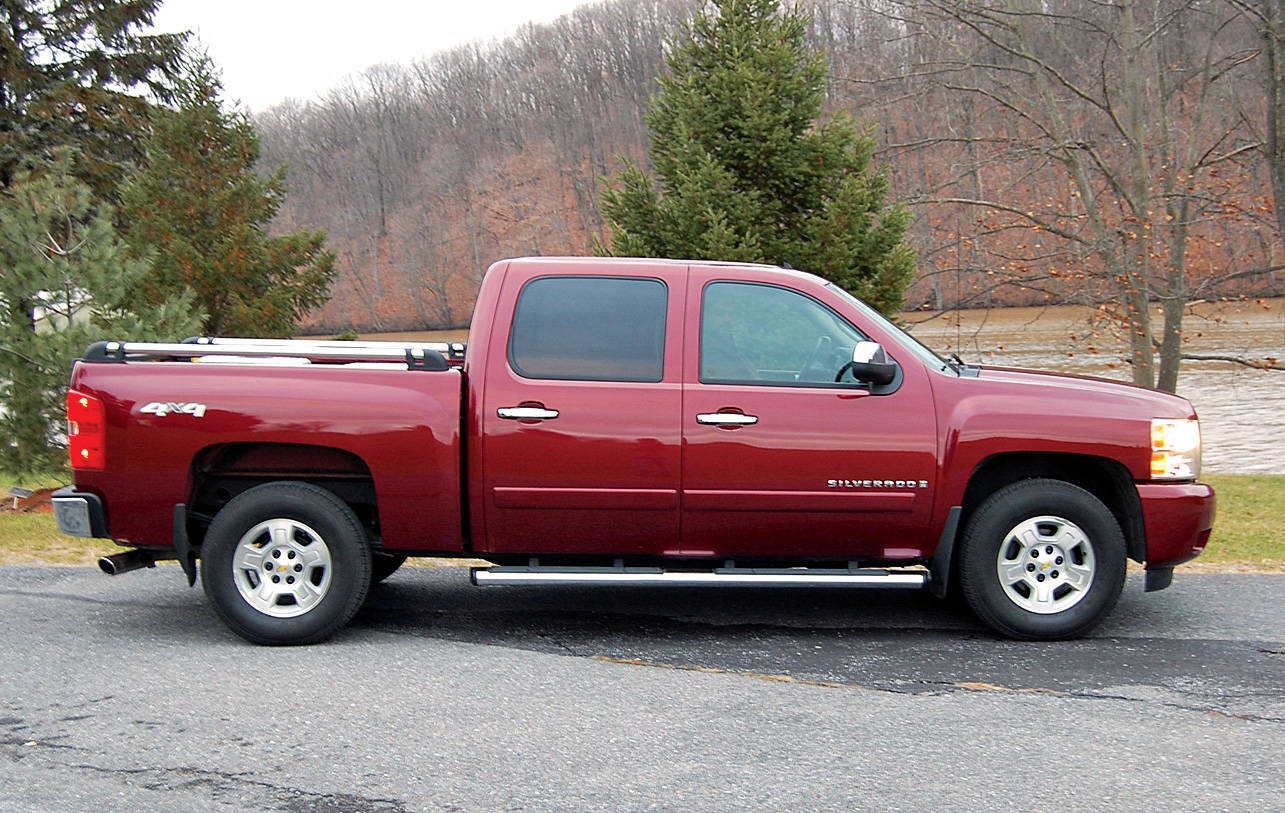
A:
[631, 422]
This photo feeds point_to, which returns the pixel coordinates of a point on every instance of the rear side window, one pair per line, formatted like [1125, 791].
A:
[590, 329]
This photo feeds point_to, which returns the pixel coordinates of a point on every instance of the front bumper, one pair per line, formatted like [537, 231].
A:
[79, 513]
[1178, 518]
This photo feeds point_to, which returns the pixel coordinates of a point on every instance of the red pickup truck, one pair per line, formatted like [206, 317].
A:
[627, 422]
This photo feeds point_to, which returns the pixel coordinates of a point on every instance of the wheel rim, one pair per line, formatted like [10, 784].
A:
[282, 568]
[1045, 565]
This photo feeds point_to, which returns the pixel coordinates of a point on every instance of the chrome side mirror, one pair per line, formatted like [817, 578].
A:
[870, 363]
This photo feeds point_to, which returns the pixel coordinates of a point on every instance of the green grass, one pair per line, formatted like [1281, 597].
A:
[1244, 536]
[33, 539]
[33, 481]
[1244, 528]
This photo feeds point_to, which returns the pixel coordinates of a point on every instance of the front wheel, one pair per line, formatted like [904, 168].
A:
[285, 563]
[1042, 560]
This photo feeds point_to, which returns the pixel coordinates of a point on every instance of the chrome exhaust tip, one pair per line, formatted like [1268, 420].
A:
[119, 563]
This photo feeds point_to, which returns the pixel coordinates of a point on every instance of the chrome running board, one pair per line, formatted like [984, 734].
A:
[715, 577]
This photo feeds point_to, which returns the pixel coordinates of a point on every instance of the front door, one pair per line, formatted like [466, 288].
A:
[780, 460]
[580, 418]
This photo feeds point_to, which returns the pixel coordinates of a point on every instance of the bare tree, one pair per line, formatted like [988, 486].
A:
[1268, 19]
[1116, 143]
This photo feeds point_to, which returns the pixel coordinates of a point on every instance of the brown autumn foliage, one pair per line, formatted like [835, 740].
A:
[1044, 161]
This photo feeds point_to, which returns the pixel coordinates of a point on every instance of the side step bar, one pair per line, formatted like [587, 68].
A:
[717, 577]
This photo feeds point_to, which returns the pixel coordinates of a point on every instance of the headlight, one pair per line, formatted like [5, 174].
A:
[1175, 448]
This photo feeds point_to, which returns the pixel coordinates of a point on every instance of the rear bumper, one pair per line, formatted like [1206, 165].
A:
[79, 513]
[1178, 518]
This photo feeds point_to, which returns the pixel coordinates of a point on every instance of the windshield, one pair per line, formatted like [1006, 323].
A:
[907, 342]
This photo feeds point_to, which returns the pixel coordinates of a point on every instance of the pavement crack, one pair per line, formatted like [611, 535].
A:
[559, 645]
[234, 786]
[772, 678]
[1090, 695]
[964, 686]
[23, 743]
[991, 687]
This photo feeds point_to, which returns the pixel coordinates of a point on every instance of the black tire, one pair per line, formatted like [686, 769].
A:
[285, 563]
[1048, 530]
[383, 565]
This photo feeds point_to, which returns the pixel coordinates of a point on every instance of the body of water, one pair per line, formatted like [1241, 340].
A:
[1242, 410]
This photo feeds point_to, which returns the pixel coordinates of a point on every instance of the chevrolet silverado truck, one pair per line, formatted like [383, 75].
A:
[631, 422]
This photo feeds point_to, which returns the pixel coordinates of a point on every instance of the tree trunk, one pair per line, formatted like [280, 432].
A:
[1274, 49]
[1138, 322]
[1171, 344]
[24, 403]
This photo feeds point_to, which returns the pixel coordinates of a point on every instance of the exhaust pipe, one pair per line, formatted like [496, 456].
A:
[119, 563]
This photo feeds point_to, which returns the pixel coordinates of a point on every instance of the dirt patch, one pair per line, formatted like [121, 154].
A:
[38, 503]
[1198, 566]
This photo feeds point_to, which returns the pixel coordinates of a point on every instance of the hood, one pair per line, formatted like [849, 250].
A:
[1116, 396]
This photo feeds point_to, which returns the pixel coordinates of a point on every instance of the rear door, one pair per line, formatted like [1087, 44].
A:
[580, 412]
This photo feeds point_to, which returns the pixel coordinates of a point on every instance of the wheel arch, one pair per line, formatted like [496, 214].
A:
[221, 472]
[1106, 479]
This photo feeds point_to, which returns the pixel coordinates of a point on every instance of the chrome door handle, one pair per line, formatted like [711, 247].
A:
[726, 419]
[523, 413]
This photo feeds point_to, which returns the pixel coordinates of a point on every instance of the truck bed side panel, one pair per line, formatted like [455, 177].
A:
[404, 425]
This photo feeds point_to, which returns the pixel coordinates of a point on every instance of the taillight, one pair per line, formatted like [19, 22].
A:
[86, 431]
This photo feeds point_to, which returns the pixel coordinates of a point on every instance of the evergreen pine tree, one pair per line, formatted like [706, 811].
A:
[65, 274]
[744, 170]
[202, 212]
[67, 70]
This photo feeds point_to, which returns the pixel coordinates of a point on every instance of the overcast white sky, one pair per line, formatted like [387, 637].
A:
[270, 50]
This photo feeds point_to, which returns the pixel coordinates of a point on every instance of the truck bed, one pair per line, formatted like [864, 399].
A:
[204, 427]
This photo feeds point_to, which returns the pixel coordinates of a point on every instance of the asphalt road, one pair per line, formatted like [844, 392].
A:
[127, 693]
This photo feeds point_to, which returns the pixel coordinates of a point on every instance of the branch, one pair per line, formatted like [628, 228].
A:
[1206, 161]
[989, 204]
[1024, 53]
[1269, 363]
[1007, 104]
[25, 358]
[1250, 10]
[980, 294]
[927, 142]
[1210, 282]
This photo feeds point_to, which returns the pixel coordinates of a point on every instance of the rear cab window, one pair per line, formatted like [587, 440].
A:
[584, 328]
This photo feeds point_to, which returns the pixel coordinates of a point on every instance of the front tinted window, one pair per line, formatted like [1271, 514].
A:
[590, 328]
[909, 342]
[754, 333]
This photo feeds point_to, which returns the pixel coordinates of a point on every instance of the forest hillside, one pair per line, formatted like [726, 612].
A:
[1077, 154]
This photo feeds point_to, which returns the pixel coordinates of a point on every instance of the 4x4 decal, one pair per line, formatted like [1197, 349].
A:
[160, 409]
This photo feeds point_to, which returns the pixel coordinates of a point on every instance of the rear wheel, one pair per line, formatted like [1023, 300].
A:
[1042, 560]
[285, 563]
